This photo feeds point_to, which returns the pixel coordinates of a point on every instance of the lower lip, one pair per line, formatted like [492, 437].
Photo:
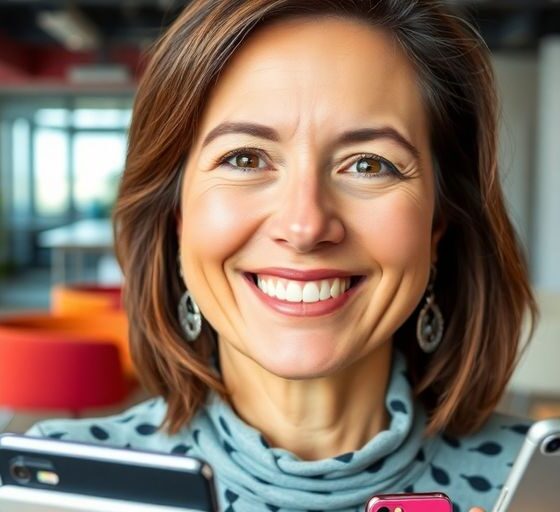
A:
[323, 307]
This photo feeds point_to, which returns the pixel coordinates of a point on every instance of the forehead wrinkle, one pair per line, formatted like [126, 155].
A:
[299, 93]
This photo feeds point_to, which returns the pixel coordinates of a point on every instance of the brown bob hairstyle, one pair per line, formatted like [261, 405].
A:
[482, 285]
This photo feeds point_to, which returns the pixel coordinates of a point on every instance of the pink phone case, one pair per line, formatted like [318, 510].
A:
[436, 502]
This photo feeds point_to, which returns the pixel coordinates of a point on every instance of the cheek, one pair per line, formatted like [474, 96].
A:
[215, 225]
[397, 230]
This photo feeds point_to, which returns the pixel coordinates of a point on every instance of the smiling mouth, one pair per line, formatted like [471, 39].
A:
[311, 291]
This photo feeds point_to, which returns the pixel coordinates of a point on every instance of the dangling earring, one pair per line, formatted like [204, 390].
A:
[429, 327]
[189, 316]
[189, 313]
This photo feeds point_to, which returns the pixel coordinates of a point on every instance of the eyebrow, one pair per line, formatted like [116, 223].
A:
[348, 137]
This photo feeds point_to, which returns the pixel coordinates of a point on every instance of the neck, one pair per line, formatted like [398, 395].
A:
[313, 418]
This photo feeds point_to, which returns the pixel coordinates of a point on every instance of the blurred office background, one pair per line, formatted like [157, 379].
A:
[68, 72]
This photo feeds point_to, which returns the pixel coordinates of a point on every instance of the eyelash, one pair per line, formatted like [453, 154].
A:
[254, 151]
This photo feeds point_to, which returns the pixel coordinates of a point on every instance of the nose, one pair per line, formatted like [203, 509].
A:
[304, 218]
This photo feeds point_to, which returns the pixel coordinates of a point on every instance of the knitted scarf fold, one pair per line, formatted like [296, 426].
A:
[251, 472]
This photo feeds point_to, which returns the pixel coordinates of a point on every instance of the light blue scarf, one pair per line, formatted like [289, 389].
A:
[252, 477]
[251, 472]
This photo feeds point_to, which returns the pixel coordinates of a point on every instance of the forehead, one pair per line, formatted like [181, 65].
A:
[318, 73]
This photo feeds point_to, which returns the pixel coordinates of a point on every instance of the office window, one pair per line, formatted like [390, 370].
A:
[98, 163]
[50, 163]
[78, 156]
[61, 157]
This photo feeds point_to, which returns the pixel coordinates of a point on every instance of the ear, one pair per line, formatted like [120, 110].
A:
[437, 233]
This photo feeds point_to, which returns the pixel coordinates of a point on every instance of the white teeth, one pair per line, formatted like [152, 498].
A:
[303, 291]
[310, 292]
[335, 288]
[280, 291]
[271, 288]
[325, 292]
[293, 292]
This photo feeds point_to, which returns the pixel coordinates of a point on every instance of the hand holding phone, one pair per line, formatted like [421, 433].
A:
[417, 502]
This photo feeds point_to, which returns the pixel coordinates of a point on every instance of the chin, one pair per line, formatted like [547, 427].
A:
[298, 365]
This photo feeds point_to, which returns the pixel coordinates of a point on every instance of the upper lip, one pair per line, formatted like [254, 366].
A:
[303, 275]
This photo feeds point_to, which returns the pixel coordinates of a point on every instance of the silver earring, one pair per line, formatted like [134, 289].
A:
[429, 327]
[189, 313]
[189, 316]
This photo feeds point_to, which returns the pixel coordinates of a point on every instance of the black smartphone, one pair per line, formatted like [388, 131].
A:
[48, 475]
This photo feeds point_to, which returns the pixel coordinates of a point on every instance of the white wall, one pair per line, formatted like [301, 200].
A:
[547, 203]
[529, 88]
[516, 77]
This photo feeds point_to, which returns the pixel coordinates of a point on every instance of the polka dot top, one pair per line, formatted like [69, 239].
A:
[252, 476]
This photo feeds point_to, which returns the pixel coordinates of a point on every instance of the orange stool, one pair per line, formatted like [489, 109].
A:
[107, 325]
[84, 298]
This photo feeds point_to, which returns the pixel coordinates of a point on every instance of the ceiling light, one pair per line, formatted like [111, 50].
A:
[74, 30]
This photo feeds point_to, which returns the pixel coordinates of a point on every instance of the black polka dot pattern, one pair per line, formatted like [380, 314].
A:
[398, 406]
[520, 429]
[181, 449]
[376, 466]
[420, 456]
[146, 429]
[231, 498]
[489, 448]
[345, 457]
[470, 469]
[478, 483]
[228, 448]
[56, 435]
[225, 426]
[440, 475]
[195, 435]
[99, 433]
[127, 419]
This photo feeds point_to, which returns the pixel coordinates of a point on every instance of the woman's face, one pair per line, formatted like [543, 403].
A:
[312, 193]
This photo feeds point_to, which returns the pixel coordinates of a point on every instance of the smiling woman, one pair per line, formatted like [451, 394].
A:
[323, 286]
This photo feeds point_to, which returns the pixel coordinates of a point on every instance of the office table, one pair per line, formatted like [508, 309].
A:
[76, 239]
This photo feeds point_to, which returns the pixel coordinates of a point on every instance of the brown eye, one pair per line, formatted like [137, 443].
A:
[243, 160]
[246, 160]
[369, 165]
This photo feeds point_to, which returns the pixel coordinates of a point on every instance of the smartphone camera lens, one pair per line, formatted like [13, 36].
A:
[383, 509]
[553, 445]
[21, 473]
